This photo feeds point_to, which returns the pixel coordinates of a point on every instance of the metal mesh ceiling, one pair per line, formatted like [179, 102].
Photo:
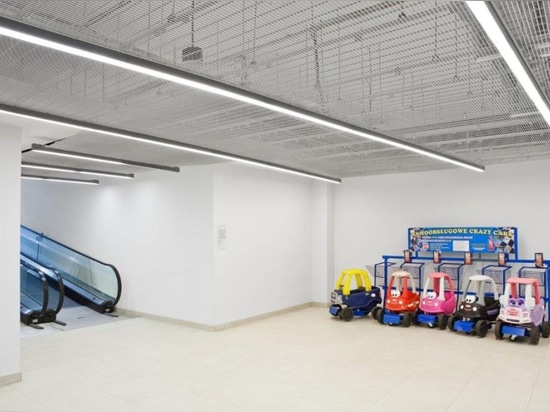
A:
[422, 71]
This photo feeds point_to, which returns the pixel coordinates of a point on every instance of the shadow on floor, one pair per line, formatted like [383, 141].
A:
[75, 316]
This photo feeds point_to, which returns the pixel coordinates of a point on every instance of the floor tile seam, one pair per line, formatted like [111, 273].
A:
[43, 407]
[35, 399]
[449, 386]
[536, 381]
[294, 399]
[540, 365]
[133, 403]
[460, 393]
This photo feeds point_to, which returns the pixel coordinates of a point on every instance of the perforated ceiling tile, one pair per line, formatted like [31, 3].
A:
[421, 71]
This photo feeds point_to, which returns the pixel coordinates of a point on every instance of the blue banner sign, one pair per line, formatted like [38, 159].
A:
[463, 239]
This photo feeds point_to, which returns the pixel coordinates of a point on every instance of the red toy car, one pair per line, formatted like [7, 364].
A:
[401, 301]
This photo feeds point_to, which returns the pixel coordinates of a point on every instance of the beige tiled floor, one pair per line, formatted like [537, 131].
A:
[302, 361]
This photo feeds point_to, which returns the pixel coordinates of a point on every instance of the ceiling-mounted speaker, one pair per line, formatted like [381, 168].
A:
[191, 53]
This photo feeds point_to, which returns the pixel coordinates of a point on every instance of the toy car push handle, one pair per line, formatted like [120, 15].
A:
[361, 276]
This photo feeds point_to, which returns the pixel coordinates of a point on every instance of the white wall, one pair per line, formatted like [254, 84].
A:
[10, 171]
[156, 230]
[372, 214]
[160, 232]
[266, 265]
[322, 235]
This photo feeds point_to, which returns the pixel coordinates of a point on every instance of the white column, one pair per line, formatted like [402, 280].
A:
[323, 276]
[10, 195]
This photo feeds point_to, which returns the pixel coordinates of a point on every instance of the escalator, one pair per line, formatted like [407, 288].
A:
[86, 280]
[34, 296]
[54, 294]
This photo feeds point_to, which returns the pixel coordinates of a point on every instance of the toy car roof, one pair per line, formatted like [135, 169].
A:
[401, 274]
[523, 281]
[480, 278]
[439, 275]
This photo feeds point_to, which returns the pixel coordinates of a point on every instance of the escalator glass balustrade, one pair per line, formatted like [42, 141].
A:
[87, 280]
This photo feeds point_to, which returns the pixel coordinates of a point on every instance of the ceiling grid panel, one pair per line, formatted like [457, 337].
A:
[420, 71]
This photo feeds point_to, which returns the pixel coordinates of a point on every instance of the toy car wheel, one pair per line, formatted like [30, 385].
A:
[376, 312]
[346, 314]
[407, 319]
[415, 317]
[534, 335]
[481, 328]
[545, 329]
[451, 323]
[442, 321]
[498, 329]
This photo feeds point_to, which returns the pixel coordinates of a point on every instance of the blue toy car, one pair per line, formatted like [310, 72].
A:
[346, 302]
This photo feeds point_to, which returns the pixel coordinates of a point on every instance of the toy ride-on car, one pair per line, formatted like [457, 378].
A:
[522, 316]
[401, 301]
[347, 303]
[437, 302]
[477, 310]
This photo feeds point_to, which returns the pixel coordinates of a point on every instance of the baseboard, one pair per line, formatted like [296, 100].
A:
[320, 304]
[262, 316]
[165, 319]
[215, 328]
[9, 379]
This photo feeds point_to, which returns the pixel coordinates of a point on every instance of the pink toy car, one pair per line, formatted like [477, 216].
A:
[438, 301]
[522, 316]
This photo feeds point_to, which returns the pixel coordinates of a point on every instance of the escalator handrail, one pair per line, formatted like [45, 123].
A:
[42, 278]
[45, 270]
[115, 270]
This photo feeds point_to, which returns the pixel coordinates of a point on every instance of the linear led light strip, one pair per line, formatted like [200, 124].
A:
[96, 158]
[29, 114]
[76, 170]
[62, 180]
[225, 91]
[494, 30]
[78, 156]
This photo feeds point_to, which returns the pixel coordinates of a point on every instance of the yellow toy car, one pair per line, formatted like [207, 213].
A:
[346, 302]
